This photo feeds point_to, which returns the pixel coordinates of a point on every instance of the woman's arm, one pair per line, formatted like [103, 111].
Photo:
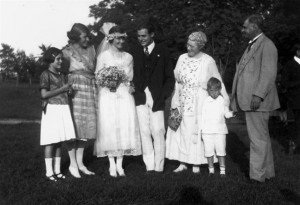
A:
[51, 93]
[129, 69]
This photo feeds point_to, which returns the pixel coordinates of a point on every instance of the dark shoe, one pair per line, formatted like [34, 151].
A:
[222, 175]
[211, 174]
[51, 178]
[255, 182]
[60, 176]
[150, 172]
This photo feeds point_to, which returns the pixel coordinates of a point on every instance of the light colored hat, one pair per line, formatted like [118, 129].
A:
[199, 37]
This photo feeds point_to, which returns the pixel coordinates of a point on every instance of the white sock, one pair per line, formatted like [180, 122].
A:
[119, 162]
[57, 161]
[211, 170]
[49, 167]
[222, 170]
[112, 163]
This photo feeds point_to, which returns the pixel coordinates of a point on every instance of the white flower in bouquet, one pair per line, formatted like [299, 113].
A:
[111, 77]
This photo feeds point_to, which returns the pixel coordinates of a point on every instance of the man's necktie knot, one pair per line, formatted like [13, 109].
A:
[250, 44]
[146, 51]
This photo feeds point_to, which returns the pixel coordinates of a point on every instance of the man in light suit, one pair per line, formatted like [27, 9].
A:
[154, 82]
[254, 92]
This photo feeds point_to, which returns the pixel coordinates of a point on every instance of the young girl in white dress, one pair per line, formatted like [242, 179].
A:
[56, 124]
[118, 130]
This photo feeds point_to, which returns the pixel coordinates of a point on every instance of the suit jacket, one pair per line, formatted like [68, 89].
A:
[255, 75]
[161, 82]
[291, 81]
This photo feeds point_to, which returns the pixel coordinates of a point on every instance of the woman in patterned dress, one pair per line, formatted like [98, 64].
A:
[81, 57]
[193, 70]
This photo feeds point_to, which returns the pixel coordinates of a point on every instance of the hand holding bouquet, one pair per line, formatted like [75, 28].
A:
[110, 77]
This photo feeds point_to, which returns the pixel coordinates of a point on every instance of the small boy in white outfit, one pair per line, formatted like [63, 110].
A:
[213, 126]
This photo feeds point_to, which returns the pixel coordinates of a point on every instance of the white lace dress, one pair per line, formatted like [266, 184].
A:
[186, 145]
[118, 130]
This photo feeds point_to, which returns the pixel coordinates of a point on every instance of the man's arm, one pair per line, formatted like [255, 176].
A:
[267, 76]
[169, 80]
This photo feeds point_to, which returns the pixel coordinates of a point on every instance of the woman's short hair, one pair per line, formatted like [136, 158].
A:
[199, 37]
[214, 83]
[50, 54]
[75, 32]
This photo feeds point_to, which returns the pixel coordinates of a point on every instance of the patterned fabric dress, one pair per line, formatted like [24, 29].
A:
[118, 129]
[84, 102]
[192, 74]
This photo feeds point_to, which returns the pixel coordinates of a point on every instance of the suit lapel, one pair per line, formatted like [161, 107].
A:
[154, 56]
[248, 55]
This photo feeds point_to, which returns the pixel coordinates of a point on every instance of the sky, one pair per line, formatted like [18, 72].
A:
[27, 24]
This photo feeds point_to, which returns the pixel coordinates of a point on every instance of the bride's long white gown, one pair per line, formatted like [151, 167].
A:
[118, 130]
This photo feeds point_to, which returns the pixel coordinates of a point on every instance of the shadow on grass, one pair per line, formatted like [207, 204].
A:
[290, 196]
[238, 151]
[190, 195]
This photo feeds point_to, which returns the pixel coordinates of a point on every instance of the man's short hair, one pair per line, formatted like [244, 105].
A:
[256, 19]
[146, 25]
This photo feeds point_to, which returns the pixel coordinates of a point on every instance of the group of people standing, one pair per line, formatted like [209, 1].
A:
[130, 121]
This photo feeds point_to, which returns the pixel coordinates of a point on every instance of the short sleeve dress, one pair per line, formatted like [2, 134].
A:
[56, 124]
[81, 76]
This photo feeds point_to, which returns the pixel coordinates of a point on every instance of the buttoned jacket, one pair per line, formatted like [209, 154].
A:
[255, 75]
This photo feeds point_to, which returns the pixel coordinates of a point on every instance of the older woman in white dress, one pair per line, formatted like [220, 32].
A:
[193, 70]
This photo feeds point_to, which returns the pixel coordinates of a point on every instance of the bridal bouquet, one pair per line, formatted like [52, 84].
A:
[110, 77]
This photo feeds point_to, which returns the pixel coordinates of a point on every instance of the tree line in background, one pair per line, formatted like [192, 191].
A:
[174, 20]
[17, 65]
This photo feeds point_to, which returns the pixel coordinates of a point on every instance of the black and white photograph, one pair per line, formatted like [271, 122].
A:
[150, 102]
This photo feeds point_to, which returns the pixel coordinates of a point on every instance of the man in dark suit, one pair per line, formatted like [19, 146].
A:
[254, 92]
[291, 81]
[154, 82]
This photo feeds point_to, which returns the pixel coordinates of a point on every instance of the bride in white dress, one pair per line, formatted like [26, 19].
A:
[118, 130]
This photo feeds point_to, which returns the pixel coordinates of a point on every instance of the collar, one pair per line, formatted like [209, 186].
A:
[210, 99]
[150, 47]
[254, 39]
[297, 59]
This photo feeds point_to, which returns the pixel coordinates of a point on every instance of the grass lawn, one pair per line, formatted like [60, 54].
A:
[22, 177]
[22, 170]
[22, 102]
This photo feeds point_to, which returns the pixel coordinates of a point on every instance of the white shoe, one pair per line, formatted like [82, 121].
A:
[180, 168]
[86, 171]
[121, 172]
[196, 169]
[113, 172]
[74, 172]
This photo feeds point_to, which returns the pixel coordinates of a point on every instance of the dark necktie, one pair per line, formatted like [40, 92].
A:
[250, 44]
[146, 51]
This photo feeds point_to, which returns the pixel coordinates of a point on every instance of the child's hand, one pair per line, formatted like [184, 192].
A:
[65, 88]
[234, 113]
[70, 91]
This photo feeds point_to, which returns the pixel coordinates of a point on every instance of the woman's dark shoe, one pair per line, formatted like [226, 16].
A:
[60, 176]
[51, 178]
